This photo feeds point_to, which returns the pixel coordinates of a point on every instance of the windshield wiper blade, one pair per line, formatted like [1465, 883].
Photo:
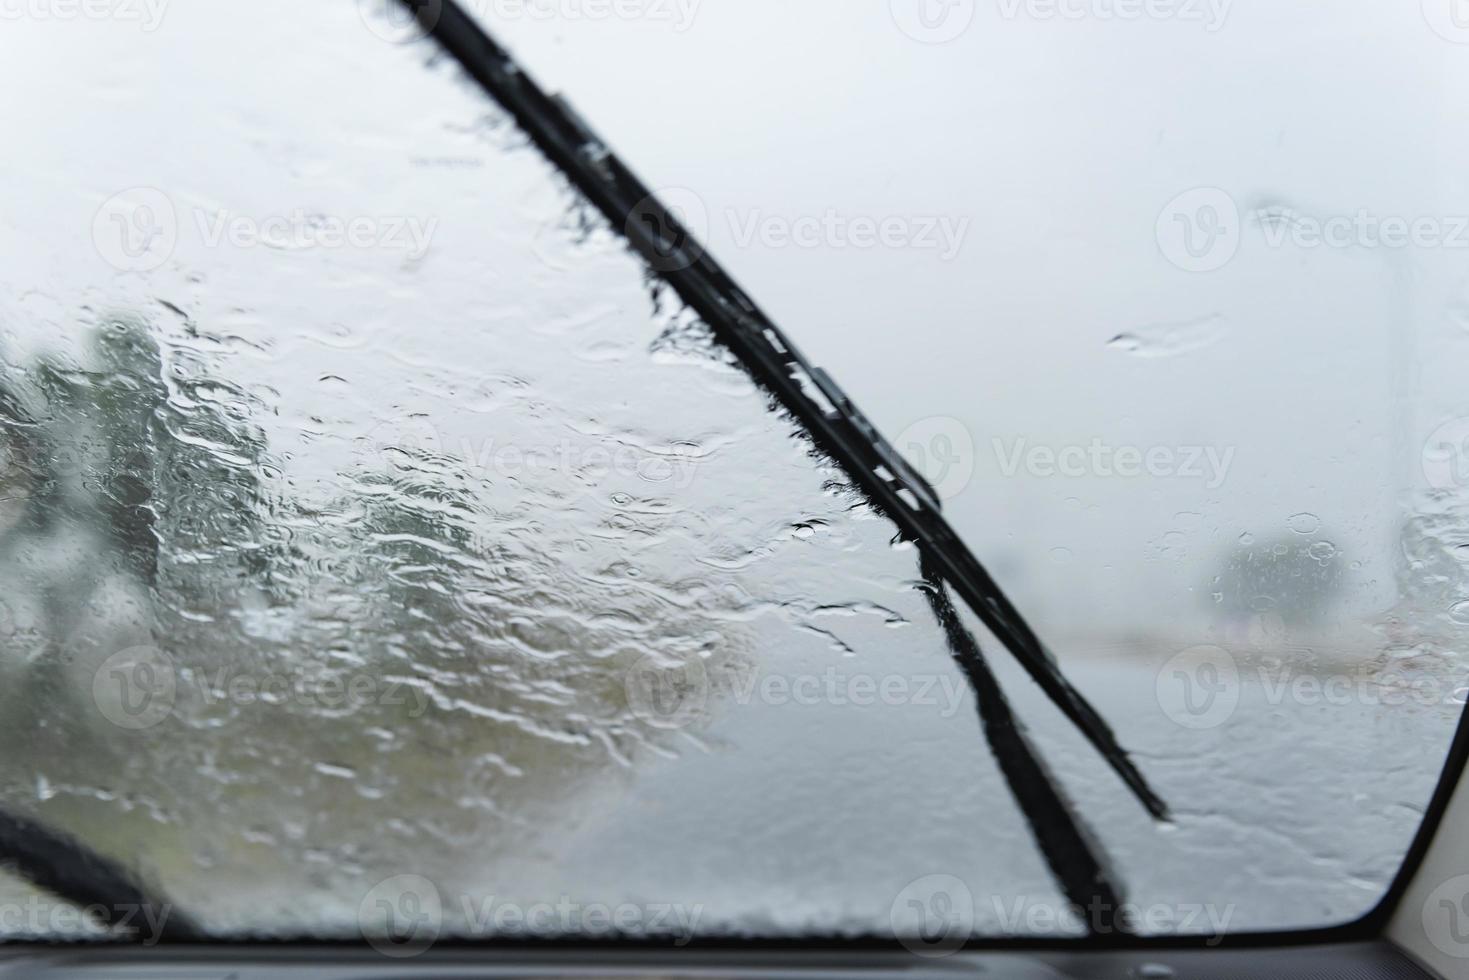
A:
[72, 871]
[838, 428]
[1076, 858]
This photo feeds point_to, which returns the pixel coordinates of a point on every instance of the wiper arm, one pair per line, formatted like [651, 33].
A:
[70, 870]
[834, 423]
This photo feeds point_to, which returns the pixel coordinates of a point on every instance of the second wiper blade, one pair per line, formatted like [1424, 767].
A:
[833, 421]
[71, 870]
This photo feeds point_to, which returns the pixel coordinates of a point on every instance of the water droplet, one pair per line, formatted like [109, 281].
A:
[1305, 523]
[1462, 553]
[1323, 551]
[1460, 613]
[1247, 538]
[1062, 556]
[1169, 339]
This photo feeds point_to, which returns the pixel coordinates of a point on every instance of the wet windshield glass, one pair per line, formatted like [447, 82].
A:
[372, 517]
[381, 540]
[1174, 321]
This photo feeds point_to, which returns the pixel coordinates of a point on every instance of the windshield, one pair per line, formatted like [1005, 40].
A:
[384, 542]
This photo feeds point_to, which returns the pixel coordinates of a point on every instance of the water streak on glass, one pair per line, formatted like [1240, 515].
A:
[370, 516]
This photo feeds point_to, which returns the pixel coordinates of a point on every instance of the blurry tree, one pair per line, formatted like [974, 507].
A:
[141, 508]
[1288, 582]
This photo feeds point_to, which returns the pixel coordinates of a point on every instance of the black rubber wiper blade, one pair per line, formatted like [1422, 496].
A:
[838, 428]
[72, 871]
[1077, 859]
